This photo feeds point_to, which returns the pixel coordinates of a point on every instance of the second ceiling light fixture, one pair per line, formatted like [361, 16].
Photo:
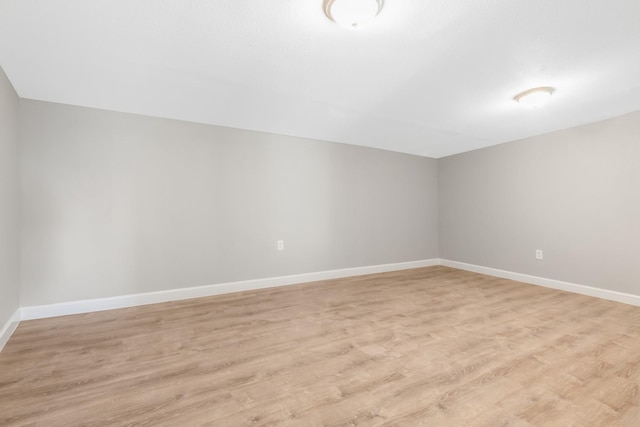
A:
[352, 14]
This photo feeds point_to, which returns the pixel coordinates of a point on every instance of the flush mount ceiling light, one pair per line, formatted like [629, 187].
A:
[535, 97]
[352, 13]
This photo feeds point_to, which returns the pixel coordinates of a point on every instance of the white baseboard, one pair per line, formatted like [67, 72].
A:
[547, 283]
[100, 304]
[8, 328]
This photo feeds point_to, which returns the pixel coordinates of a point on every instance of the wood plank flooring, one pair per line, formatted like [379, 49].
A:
[432, 346]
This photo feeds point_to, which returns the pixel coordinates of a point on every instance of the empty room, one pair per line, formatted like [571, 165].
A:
[319, 213]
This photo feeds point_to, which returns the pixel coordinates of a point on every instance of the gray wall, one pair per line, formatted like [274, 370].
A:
[117, 204]
[9, 220]
[575, 194]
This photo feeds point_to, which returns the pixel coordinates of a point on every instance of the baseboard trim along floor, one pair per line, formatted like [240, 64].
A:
[547, 283]
[8, 328]
[110, 303]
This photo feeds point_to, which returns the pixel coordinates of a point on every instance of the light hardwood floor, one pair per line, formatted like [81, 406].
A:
[432, 346]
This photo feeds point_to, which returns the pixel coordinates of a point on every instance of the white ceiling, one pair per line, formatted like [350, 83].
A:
[427, 77]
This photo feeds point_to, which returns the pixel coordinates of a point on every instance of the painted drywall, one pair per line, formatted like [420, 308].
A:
[574, 194]
[116, 204]
[9, 204]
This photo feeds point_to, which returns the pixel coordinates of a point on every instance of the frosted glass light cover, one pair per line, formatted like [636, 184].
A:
[352, 13]
[536, 97]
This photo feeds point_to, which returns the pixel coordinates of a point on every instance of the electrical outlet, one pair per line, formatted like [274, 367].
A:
[280, 245]
[538, 254]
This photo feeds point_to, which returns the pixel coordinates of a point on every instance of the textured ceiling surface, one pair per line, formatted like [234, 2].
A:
[431, 78]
